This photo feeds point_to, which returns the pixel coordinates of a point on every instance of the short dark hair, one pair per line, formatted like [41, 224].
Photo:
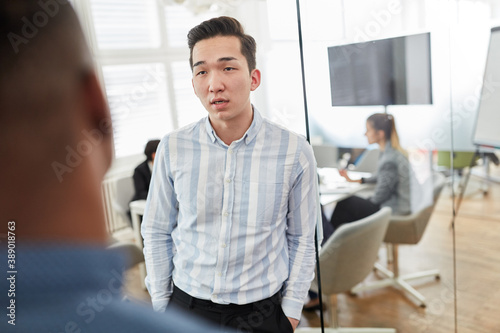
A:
[20, 31]
[151, 147]
[223, 26]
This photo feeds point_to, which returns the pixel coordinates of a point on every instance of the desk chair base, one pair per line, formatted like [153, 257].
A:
[393, 279]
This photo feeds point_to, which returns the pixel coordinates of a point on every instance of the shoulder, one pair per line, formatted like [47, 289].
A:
[284, 132]
[142, 166]
[297, 147]
[188, 132]
[392, 155]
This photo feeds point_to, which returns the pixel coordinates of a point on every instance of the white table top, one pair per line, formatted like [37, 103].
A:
[333, 187]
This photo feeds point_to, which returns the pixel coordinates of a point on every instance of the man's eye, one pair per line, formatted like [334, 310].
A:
[229, 69]
[201, 73]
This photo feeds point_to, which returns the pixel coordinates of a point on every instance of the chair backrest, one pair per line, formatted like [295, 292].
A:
[368, 161]
[461, 159]
[326, 155]
[409, 229]
[350, 253]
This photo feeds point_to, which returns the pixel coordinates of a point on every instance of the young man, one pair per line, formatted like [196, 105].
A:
[231, 213]
[56, 145]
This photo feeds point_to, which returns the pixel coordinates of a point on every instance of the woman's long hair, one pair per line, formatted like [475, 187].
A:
[386, 123]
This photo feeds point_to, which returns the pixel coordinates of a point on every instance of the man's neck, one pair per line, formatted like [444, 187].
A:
[70, 210]
[230, 131]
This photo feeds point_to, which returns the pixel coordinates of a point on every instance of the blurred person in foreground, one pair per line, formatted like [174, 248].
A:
[231, 212]
[56, 146]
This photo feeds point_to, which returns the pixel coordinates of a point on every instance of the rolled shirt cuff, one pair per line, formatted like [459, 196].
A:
[160, 305]
[292, 308]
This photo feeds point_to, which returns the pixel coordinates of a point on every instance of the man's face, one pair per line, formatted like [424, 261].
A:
[221, 79]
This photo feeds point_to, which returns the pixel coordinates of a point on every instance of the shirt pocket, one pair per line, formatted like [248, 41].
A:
[267, 203]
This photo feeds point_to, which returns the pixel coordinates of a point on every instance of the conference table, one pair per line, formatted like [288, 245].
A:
[332, 188]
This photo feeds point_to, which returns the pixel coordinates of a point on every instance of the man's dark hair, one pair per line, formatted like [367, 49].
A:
[23, 23]
[223, 26]
[151, 148]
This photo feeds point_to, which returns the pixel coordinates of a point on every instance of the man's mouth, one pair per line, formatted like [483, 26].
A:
[219, 101]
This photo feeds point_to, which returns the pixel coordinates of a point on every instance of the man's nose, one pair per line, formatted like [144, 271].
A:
[216, 82]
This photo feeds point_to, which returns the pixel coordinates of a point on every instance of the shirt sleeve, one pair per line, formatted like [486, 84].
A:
[387, 181]
[301, 221]
[160, 219]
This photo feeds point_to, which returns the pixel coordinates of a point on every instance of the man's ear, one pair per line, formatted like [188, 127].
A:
[255, 76]
[98, 118]
[95, 101]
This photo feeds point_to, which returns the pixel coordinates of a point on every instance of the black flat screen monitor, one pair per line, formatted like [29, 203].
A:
[390, 71]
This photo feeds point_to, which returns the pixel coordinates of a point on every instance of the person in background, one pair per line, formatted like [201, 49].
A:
[56, 146]
[392, 183]
[231, 213]
[142, 173]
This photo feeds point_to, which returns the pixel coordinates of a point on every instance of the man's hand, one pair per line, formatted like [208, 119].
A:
[294, 322]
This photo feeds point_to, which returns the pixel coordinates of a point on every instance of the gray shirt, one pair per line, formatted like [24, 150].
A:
[392, 180]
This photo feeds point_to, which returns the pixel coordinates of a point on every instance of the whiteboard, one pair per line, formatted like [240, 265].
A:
[487, 129]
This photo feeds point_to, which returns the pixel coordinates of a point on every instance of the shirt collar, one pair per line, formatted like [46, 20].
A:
[249, 135]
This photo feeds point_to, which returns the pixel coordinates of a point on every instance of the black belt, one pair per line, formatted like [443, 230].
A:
[180, 295]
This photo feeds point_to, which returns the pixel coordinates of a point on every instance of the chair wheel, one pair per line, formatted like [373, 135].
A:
[423, 306]
[438, 277]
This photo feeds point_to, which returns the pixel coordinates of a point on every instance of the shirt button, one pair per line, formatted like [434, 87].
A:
[226, 214]
[230, 151]
[219, 274]
[228, 180]
[223, 245]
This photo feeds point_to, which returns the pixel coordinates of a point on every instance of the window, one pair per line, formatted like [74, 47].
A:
[141, 52]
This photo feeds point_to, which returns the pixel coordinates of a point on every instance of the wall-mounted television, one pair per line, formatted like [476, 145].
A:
[390, 71]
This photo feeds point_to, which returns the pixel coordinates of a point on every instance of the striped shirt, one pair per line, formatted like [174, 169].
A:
[232, 224]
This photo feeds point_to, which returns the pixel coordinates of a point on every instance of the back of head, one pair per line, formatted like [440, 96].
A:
[42, 56]
[223, 26]
[151, 147]
[50, 102]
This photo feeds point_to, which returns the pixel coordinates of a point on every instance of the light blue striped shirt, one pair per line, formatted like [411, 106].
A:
[232, 224]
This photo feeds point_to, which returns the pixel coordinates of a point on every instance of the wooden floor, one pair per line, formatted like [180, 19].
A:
[477, 238]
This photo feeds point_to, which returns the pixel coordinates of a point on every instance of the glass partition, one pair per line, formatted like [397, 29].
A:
[434, 130]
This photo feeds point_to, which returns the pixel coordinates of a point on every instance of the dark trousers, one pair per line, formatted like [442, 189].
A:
[352, 209]
[264, 316]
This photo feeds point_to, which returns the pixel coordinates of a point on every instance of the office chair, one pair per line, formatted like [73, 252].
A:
[326, 155]
[368, 161]
[407, 229]
[346, 259]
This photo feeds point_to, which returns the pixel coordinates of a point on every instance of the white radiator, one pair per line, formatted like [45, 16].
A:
[116, 202]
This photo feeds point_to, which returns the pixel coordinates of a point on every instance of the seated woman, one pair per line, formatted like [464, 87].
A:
[392, 180]
[142, 173]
